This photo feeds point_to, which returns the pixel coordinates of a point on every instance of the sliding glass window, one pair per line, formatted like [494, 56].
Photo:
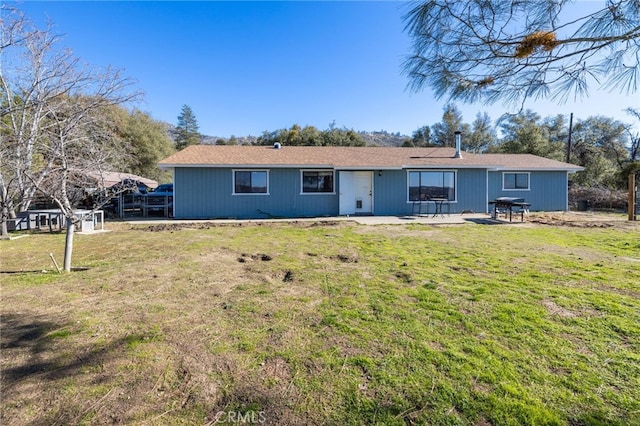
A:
[426, 185]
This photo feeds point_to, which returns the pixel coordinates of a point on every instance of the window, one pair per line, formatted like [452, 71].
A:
[250, 182]
[317, 181]
[515, 181]
[424, 185]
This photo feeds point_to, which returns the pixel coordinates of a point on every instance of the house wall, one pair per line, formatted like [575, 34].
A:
[472, 190]
[202, 193]
[391, 192]
[548, 191]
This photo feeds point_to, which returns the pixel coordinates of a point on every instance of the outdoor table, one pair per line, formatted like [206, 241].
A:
[438, 202]
[508, 204]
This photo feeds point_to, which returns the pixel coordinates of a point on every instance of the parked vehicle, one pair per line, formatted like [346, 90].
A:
[160, 201]
[164, 189]
[128, 192]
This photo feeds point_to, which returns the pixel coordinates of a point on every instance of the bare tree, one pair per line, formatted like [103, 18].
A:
[490, 50]
[53, 126]
[13, 32]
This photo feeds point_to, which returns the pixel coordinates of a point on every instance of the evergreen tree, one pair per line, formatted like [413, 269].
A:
[497, 50]
[420, 137]
[600, 146]
[526, 133]
[407, 143]
[187, 129]
[444, 132]
[483, 135]
[311, 136]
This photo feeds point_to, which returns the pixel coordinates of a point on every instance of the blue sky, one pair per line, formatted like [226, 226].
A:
[247, 67]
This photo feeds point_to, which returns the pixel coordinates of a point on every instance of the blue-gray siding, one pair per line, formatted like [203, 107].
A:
[548, 191]
[391, 192]
[208, 193]
[472, 190]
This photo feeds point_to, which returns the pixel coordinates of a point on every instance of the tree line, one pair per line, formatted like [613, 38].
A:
[607, 148]
[311, 136]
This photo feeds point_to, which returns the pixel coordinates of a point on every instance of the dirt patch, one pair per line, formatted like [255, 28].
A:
[345, 258]
[171, 227]
[277, 369]
[583, 220]
[244, 257]
[555, 309]
[179, 225]
[288, 277]
[404, 277]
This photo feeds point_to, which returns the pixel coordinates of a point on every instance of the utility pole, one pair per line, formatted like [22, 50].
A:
[569, 140]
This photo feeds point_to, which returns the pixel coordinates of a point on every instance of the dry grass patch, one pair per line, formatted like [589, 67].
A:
[555, 309]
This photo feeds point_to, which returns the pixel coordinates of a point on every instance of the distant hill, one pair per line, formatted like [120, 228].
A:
[373, 138]
[239, 140]
[383, 138]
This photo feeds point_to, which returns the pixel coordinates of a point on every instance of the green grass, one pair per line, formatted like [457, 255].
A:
[326, 324]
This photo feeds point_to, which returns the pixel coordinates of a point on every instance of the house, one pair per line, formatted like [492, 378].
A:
[212, 181]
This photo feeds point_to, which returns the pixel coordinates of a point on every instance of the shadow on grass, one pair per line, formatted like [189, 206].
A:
[486, 221]
[31, 354]
[52, 377]
[43, 271]
[29, 343]
[17, 333]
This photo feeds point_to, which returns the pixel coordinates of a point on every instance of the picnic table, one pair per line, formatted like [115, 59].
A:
[510, 205]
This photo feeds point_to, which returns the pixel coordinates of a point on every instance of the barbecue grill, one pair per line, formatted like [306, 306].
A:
[508, 204]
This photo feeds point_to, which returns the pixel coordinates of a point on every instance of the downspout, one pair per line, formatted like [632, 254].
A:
[566, 208]
[173, 173]
[486, 190]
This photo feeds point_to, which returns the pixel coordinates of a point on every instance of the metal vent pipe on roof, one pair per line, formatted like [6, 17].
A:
[458, 150]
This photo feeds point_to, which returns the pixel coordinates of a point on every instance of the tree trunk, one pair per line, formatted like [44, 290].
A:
[4, 217]
[68, 248]
[4, 233]
[4, 201]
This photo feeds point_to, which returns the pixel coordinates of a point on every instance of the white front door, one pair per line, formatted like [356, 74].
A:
[356, 193]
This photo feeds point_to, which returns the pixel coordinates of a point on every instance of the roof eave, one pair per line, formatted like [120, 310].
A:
[166, 166]
[539, 169]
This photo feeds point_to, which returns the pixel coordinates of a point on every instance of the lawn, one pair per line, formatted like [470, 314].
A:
[324, 323]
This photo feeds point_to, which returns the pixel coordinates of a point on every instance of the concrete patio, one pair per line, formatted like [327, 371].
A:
[454, 218]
